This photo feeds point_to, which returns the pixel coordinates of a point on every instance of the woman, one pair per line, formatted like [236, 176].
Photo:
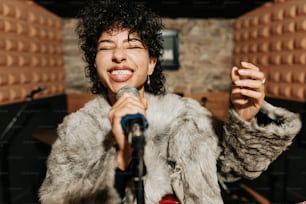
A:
[186, 153]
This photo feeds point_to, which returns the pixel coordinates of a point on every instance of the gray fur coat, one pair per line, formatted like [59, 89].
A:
[81, 165]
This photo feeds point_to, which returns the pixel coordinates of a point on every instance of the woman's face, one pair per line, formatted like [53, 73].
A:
[122, 60]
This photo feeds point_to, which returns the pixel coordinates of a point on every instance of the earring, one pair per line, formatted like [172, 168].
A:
[148, 80]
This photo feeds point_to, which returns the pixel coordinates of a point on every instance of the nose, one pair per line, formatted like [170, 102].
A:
[119, 54]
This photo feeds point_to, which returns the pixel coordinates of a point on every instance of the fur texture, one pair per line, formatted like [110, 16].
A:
[187, 152]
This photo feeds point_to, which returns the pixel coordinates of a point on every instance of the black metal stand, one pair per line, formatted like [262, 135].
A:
[138, 169]
[134, 126]
[28, 100]
[4, 134]
[5, 137]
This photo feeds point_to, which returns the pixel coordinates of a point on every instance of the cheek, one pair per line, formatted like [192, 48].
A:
[100, 63]
[143, 61]
[101, 72]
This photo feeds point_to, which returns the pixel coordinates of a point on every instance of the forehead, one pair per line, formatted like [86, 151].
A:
[125, 33]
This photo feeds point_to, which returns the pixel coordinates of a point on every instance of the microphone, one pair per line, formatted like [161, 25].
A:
[29, 99]
[42, 87]
[133, 125]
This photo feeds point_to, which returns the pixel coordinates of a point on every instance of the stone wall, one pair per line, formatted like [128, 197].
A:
[206, 49]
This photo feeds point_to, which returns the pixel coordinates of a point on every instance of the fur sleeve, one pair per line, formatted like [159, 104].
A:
[249, 147]
[81, 164]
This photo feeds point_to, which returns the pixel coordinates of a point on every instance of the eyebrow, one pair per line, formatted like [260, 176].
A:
[126, 40]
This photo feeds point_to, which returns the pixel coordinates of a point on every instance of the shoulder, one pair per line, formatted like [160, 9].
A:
[174, 104]
[94, 108]
[171, 108]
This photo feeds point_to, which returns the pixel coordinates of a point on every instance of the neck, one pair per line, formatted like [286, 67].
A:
[111, 98]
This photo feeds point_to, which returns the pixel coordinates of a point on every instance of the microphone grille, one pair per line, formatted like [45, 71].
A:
[127, 89]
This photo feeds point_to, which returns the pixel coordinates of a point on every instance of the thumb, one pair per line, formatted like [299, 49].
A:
[235, 74]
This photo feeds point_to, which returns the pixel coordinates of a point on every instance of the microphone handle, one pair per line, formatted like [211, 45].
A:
[127, 120]
[133, 127]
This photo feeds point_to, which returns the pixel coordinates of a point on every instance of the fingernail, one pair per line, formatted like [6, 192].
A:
[242, 71]
[238, 82]
[243, 63]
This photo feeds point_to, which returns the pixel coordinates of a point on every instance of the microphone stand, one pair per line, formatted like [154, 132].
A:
[4, 140]
[28, 100]
[138, 169]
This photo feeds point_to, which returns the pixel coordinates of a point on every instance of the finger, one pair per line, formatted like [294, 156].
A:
[252, 74]
[248, 65]
[244, 95]
[253, 94]
[249, 83]
[239, 102]
[247, 96]
[131, 101]
[126, 108]
[237, 98]
[126, 97]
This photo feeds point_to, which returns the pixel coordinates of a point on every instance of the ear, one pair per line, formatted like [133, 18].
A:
[152, 64]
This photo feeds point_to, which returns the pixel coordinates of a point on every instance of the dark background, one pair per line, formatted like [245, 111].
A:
[23, 157]
[168, 8]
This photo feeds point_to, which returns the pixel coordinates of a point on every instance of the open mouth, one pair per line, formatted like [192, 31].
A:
[121, 72]
[121, 75]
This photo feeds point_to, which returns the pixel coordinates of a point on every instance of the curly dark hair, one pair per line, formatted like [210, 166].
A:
[100, 16]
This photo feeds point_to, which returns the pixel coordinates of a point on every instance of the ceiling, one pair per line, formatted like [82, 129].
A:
[168, 8]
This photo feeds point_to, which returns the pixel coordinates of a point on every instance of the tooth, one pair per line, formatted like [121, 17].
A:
[121, 72]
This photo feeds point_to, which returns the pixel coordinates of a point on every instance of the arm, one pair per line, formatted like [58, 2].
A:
[81, 165]
[125, 105]
[248, 147]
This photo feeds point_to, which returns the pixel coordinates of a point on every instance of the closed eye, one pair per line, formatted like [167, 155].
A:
[134, 44]
[134, 47]
[104, 48]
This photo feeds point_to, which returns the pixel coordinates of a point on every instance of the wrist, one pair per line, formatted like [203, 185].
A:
[124, 158]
